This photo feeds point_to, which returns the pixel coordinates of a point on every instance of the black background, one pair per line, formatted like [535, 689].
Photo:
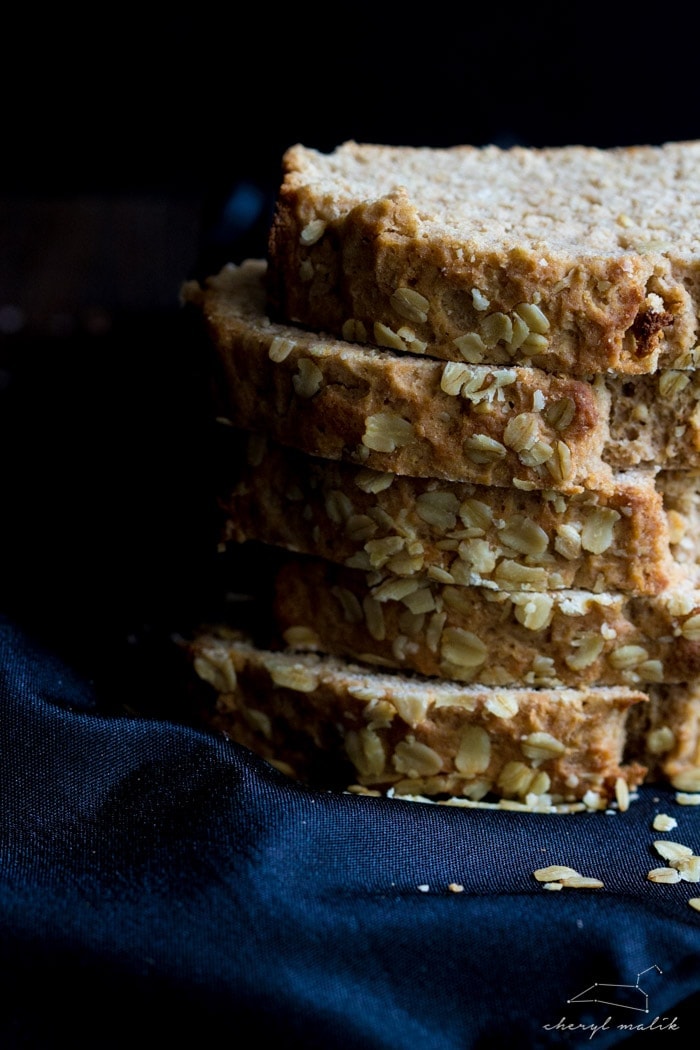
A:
[140, 150]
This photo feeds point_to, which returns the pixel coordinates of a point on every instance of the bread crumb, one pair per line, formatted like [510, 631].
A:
[582, 882]
[554, 872]
[662, 822]
[664, 875]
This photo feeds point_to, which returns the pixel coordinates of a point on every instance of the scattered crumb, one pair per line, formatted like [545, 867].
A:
[424, 888]
[455, 887]
[694, 902]
[582, 882]
[622, 794]
[662, 822]
[682, 863]
[686, 798]
[689, 868]
[592, 803]
[672, 851]
[558, 876]
[554, 872]
[664, 875]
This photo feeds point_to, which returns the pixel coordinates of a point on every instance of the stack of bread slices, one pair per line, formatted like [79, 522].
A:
[466, 385]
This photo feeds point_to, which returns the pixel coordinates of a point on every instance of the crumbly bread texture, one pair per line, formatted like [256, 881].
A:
[417, 416]
[575, 259]
[498, 638]
[322, 719]
[468, 385]
[639, 538]
[415, 735]
[664, 735]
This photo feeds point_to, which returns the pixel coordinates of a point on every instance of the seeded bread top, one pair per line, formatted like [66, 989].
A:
[576, 259]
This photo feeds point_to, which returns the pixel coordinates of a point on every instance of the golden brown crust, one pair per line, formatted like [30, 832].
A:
[617, 290]
[474, 634]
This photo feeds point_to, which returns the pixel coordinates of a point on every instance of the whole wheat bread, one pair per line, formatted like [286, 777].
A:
[418, 416]
[325, 719]
[573, 258]
[475, 634]
[468, 380]
[639, 538]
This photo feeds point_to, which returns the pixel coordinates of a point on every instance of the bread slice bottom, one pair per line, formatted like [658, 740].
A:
[343, 725]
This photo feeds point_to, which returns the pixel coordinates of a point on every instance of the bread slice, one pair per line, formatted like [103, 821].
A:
[416, 416]
[336, 724]
[574, 259]
[640, 537]
[499, 638]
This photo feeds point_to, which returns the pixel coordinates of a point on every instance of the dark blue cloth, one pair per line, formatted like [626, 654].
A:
[159, 883]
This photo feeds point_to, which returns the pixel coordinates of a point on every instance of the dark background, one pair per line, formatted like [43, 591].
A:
[138, 151]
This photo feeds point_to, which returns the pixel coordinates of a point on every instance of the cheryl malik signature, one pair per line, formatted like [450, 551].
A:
[631, 997]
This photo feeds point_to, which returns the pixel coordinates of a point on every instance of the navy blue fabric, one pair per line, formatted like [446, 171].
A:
[158, 882]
